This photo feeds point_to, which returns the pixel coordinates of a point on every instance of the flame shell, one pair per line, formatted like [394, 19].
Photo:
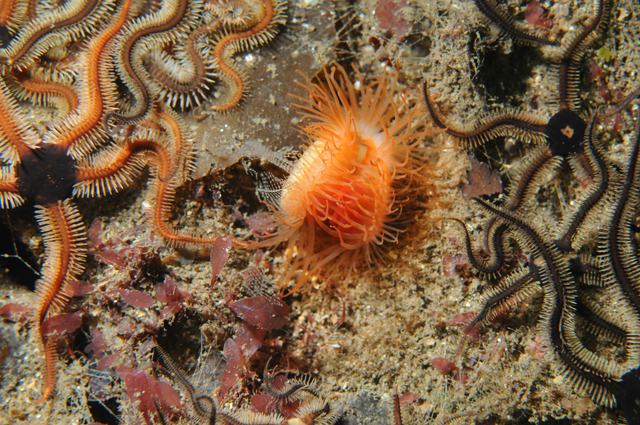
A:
[345, 195]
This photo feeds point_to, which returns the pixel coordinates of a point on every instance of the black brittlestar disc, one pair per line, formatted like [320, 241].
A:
[4, 36]
[627, 394]
[46, 175]
[565, 132]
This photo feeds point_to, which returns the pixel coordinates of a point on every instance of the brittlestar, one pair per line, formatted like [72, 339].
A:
[570, 309]
[564, 131]
[557, 138]
[610, 206]
[302, 392]
[82, 153]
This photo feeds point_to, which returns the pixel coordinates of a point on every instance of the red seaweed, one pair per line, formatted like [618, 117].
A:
[78, 288]
[219, 256]
[533, 15]
[14, 312]
[98, 343]
[461, 318]
[260, 224]
[62, 324]
[234, 370]
[443, 365]
[389, 13]
[264, 312]
[144, 389]
[481, 180]
[136, 298]
[249, 338]
[169, 293]
[107, 361]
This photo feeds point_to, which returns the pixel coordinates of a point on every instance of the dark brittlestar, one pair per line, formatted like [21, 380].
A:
[558, 138]
[564, 131]
[609, 205]
[577, 291]
[303, 391]
[507, 25]
[548, 271]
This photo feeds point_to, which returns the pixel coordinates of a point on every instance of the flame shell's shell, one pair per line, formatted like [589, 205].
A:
[345, 184]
